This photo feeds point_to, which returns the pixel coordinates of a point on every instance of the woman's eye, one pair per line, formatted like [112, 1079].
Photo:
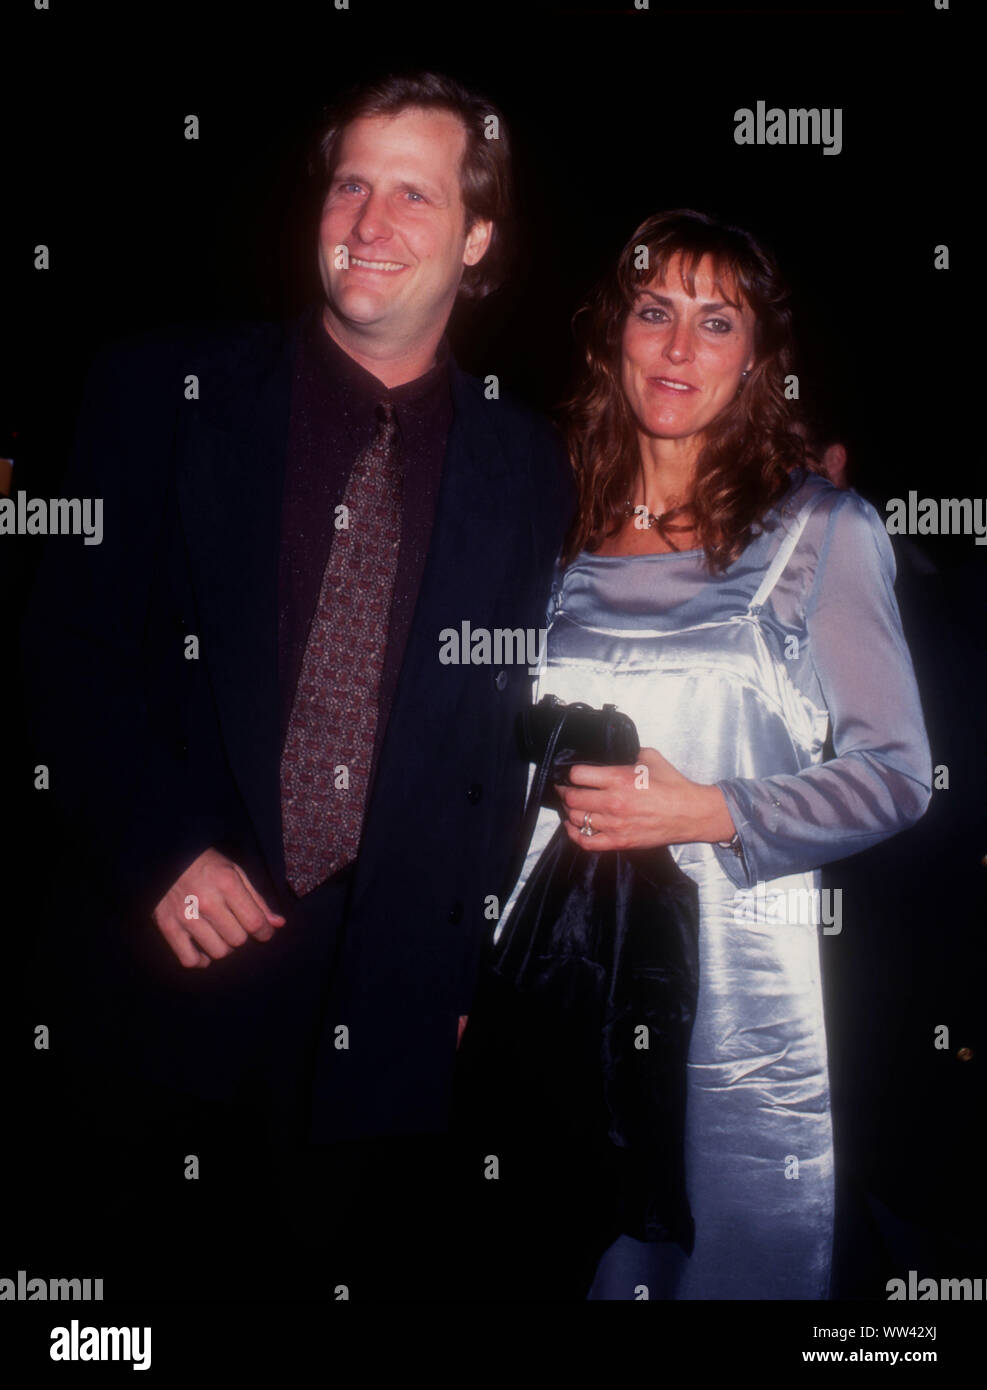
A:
[652, 314]
[719, 325]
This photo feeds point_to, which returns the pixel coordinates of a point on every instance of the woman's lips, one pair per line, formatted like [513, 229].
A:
[670, 385]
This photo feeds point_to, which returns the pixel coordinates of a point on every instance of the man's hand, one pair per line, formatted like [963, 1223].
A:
[225, 909]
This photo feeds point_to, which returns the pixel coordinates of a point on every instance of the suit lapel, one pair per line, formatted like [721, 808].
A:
[230, 484]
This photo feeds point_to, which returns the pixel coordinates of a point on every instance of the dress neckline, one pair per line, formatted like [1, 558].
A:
[642, 555]
[776, 512]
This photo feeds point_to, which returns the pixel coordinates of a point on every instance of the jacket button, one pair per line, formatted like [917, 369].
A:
[500, 680]
[965, 1054]
[456, 912]
[473, 793]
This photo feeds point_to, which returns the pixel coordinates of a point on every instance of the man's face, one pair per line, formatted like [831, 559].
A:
[395, 204]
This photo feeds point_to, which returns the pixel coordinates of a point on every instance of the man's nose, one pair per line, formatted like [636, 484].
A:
[373, 221]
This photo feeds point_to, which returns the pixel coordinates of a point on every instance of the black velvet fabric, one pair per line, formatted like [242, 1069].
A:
[572, 1068]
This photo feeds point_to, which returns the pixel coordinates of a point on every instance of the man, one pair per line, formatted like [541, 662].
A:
[300, 815]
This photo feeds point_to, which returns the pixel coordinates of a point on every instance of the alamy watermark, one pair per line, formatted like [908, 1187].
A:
[937, 516]
[23, 1289]
[75, 1343]
[502, 646]
[774, 125]
[957, 1290]
[21, 515]
[804, 907]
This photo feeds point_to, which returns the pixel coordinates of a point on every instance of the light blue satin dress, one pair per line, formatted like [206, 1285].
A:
[737, 679]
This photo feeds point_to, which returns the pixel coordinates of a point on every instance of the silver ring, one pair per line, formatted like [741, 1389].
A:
[587, 826]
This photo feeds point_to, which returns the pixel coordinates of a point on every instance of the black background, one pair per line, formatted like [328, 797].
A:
[614, 114]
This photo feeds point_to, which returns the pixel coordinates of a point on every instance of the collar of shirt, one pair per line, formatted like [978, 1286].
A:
[356, 393]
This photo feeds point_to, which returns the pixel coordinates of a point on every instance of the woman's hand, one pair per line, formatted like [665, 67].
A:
[643, 806]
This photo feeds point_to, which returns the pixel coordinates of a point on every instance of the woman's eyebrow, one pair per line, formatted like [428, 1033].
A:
[710, 307]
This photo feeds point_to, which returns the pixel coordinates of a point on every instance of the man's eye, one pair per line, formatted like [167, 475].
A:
[416, 197]
[349, 188]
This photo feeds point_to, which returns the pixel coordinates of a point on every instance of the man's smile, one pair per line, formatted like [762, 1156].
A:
[381, 267]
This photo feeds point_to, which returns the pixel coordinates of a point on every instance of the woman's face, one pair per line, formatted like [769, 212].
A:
[682, 358]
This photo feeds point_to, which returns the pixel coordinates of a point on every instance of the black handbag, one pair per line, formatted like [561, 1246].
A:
[572, 1067]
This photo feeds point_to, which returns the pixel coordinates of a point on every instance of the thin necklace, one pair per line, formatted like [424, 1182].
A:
[652, 520]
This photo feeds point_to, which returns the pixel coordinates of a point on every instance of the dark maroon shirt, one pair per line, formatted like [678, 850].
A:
[333, 419]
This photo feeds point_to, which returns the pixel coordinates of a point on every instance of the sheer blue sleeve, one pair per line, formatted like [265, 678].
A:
[880, 779]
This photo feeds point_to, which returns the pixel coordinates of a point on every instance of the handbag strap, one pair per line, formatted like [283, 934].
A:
[533, 806]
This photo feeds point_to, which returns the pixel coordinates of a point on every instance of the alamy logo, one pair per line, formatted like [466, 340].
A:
[803, 907]
[937, 516]
[800, 125]
[56, 516]
[75, 1343]
[924, 1289]
[504, 646]
[31, 1289]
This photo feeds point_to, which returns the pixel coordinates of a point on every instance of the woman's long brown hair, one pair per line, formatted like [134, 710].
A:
[748, 451]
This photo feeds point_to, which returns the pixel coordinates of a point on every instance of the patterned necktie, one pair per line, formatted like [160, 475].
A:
[325, 766]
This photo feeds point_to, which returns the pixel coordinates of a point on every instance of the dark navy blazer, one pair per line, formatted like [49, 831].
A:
[154, 757]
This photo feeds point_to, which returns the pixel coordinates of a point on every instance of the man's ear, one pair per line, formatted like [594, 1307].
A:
[477, 242]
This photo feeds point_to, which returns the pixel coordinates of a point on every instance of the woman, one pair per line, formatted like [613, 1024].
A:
[741, 610]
